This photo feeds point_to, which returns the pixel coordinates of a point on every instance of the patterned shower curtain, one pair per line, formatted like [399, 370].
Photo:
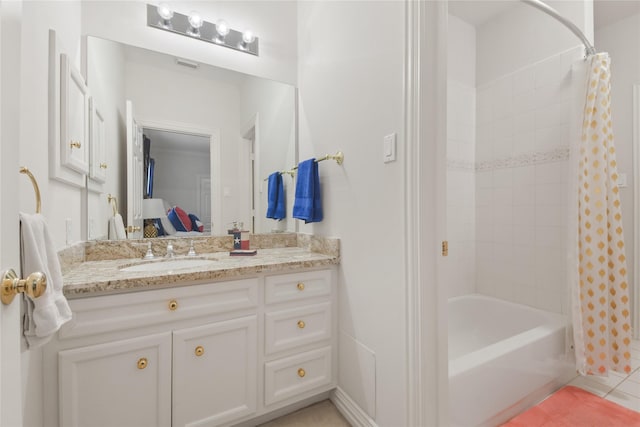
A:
[601, 311]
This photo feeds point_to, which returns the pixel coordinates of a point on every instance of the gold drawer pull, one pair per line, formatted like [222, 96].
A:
[75, 144]
[133, 228]
[173, 305]
[142, 363]
[301, 324]
[103, 165]
[300, 286]
[301, 373]
[199, 350]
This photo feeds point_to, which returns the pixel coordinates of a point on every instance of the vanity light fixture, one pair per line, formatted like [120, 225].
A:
[222, 29]
[195, 20]
[195, 26]
[166, 14]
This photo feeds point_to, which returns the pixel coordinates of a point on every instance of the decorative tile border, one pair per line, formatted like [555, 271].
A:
[519, 160]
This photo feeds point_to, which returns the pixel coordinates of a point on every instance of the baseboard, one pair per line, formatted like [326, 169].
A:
[350, 410]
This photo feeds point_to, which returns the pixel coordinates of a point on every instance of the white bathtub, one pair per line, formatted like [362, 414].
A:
[503, 357]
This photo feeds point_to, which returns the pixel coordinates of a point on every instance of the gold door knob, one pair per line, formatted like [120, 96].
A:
[301, 324]
[199, 350]
[173, 305]
[75, 144]
[133, 229]
[103, 165]
[34, 285]
[142, 363]
[300, 286]
[301, 373]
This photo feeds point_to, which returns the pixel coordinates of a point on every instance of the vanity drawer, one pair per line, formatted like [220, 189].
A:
[109, 313]
[292, 376]
[291, 328]
[297, 286]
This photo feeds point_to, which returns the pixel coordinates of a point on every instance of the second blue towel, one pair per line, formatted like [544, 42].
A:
[308, 203]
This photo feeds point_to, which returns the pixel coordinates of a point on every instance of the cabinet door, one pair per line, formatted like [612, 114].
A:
[123, 383]
[74, 118]
[214, 372]
[98, 152]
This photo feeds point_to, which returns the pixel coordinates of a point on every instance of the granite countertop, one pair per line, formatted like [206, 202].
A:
[100, 277]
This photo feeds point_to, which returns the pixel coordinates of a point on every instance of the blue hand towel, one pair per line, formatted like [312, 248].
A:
[308, 204]
[275, 197]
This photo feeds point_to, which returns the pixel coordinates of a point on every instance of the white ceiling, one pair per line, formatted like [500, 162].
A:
[477, 12]
[607, 12]
[177, 141]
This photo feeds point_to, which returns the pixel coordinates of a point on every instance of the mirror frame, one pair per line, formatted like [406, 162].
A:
[636, 210]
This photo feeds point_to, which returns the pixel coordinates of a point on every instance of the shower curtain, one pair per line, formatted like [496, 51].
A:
[600, 289]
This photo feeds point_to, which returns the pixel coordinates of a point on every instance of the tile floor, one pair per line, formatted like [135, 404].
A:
[322, 414]
[619, 388]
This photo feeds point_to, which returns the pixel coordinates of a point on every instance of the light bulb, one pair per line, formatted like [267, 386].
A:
[222, 28]
[165, 11]
[248, 36]
[195, 20]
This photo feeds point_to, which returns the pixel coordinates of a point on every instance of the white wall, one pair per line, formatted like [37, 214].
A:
[523, 35]
[460, 271]
[621, 40]
[351, 60]
[175, 175]
[105, 78]
[59, 201]
[274, 105]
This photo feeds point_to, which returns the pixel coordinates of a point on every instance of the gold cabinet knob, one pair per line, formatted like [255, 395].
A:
[142, 363]
[199, 350]
[103, 165]
[300, 286]
[301, 324]
[34, 285]
[173, 305]
[133, 229]
[301, 373]
[75, 144]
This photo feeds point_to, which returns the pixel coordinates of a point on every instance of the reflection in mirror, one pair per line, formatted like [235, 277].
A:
[213, 135]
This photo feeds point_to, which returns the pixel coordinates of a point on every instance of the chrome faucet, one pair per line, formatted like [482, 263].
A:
[170, 253]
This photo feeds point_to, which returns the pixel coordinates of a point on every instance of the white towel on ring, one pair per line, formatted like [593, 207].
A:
[47, 313]
[116, 228]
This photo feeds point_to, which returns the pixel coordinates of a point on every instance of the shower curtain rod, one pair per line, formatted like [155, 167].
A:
[538, 4]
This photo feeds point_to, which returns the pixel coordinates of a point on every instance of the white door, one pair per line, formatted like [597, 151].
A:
[10, 328]
[135, 171]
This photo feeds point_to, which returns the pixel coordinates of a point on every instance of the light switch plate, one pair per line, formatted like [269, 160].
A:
[389, 148]
[622, 180]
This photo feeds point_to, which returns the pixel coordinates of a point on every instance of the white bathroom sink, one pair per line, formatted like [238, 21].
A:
[168, 265]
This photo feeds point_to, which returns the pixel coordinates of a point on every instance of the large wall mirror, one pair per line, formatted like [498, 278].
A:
[210, 137]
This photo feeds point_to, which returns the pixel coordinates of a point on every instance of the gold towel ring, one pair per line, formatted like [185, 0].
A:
[114, 203]
[36, 189]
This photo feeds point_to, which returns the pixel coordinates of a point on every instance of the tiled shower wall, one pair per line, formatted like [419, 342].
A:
[507, 184]
[522, 173]
[461, 221]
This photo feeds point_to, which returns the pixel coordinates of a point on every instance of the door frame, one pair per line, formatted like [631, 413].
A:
[217, 227]
[427, 376]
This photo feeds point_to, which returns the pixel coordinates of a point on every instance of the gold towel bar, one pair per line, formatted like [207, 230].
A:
[338, 157]
[36, 189]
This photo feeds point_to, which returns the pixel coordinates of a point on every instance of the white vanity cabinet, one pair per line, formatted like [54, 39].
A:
[204, 354]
